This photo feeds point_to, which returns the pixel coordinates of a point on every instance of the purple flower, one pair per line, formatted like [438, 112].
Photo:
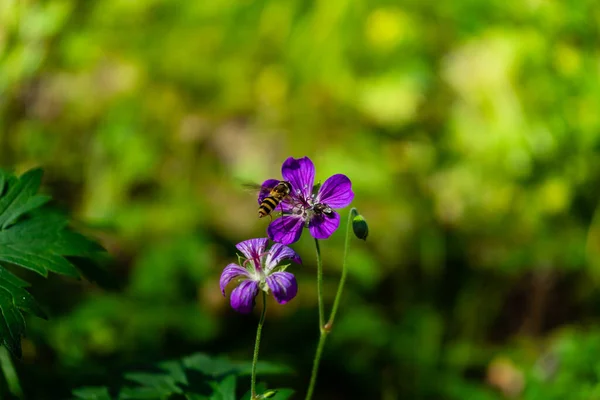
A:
[260, 271]
[303, 208]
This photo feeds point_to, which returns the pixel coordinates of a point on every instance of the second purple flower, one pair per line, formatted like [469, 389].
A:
[260, 271]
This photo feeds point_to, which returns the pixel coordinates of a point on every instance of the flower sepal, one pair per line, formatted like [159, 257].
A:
[282, 268]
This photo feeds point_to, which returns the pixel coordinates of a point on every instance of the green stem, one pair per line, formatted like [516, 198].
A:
[320, 286]
[338, 295]
[325, 329]
[317, 360]
[257, 345]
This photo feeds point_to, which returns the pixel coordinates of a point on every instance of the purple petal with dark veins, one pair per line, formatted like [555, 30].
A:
[283, 285]
[242, 297]
[278, 253]
[300, 172]
[336, 191]
[266, 188]
[286, 230]
[252, 249]
[230, 272]
[322, 226]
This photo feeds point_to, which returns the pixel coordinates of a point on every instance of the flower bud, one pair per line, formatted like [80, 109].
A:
[359, 225]
[268, 394]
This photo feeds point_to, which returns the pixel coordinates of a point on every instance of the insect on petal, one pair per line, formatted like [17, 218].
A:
[265, 188]
[322, 226]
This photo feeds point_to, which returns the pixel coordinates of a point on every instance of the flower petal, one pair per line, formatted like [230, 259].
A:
[322, 226]
[280, 252]
[242, 297]
[300, 172]
[286, 230]
[266, 188]
[336, 191]
[230, 272]
[252, 248]
[283, 285]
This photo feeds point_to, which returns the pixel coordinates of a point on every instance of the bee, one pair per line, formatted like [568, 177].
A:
[276, 194]
[321, 208]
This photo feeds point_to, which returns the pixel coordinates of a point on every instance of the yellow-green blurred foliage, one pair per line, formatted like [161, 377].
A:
[470, 130]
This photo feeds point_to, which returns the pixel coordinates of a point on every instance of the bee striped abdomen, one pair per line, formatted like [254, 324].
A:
[267, 205]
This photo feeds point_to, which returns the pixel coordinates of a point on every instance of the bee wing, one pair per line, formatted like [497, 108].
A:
[255, 187]
[262, 190]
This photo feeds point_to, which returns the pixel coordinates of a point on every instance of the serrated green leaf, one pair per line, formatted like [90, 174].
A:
[20, 197]
[225, 389]
[209, 366]
[175, 370]
[195, 396]
[142, 393]
[196, 377]
[31, 204]
[40, 263]
[165, 384]
[222, 366]
[12, 324]
[261, 389]
[35, 239]
[92, 393]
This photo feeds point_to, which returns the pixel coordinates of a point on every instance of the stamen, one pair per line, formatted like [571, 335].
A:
[257, 258]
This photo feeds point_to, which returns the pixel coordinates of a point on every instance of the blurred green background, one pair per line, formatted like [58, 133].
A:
[470, 130]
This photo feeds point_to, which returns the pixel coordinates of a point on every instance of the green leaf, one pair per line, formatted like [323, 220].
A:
[20, 197]
[224, 390]
[92, 393]
[222, 366]
[35, 239]
[163, 384]
[196, 377]
[274, 394]
[283, 394]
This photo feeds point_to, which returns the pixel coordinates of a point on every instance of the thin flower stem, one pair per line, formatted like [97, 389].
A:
[257, 345]
[317, 360]
[325, 329]
[338, 295]
[320, 286]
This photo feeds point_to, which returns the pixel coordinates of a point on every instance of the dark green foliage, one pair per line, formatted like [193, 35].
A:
[92, 393]
[470, 132]
[275, 394]
[196, 377]
[31, 238]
